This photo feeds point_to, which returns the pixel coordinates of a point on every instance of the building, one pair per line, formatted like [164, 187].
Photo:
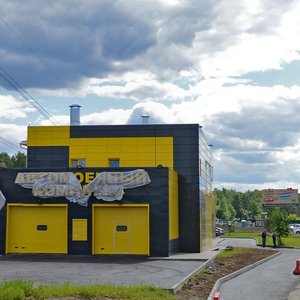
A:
[100, 189]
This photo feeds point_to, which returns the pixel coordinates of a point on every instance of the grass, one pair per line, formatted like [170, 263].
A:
[21, 289]
[231, 252]
[291, 241]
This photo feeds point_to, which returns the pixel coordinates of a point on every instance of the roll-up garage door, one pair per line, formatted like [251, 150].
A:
[121, 229]
[36, 229]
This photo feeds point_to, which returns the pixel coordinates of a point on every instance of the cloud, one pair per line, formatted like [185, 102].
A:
[14, 134]
[206, 62]
[12, 108]
[84, 41]
[96, 39]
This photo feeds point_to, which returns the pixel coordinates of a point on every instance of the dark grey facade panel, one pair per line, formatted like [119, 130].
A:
[186, 140]
[85, 131]
[48, 157]
[155, 194]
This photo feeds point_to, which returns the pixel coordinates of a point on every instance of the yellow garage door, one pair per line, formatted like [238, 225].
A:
[36, 229]
[121, 229]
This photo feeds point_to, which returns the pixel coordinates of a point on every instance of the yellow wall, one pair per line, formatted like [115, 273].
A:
[173, 205]
[48, 135]
[131, 151]
[210, 211]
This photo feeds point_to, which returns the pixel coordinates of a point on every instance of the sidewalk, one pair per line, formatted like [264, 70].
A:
[272, 280]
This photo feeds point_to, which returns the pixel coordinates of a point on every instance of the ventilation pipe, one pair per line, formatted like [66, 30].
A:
[145, 118]
[74, 114]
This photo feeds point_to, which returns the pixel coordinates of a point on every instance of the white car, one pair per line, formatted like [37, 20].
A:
[295, 229]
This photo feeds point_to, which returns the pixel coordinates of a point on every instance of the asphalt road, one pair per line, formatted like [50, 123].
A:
[272, 280]
[43, 269]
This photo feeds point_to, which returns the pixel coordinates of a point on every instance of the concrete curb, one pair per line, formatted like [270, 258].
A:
[237, 273]
[179, 285]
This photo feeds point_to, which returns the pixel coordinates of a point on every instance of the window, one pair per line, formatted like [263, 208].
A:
[114, 163]
[121, 228]
[41, 227]
[78, 162]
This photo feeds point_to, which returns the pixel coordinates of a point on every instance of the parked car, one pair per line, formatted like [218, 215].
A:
[219, 231]
[295, 229]
[294, 225]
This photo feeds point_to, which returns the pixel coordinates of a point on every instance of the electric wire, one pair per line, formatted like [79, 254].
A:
[19, 37]
[23, 93]
[9, 144]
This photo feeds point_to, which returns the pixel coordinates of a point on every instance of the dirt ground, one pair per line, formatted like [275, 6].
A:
[200, 286]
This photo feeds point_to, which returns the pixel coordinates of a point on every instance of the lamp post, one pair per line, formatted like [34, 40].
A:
[264, 217]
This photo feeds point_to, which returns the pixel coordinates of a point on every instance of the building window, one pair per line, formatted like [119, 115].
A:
[78, 162]
[114, 163]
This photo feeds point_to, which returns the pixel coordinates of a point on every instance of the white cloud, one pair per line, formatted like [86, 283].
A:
[12, 108]
[178, 61]
[14, 134]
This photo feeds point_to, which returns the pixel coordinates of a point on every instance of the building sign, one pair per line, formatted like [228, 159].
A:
[277, 197]
[107, 186]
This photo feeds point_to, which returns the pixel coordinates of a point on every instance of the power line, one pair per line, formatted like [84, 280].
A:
[37, 56]
[9, 144]
[23, 93]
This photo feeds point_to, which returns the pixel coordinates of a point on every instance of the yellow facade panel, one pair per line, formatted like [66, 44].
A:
[132, 152]
[142, 148]
[146, 156]
[146, 141]
[95, 150]
[78, 149]
[133, 156]
[209, 219]
[98, 142]
[164, 141]
[114, 148]
[36, 229]
[48, 136]
[121, 229]
[164, 148]
[173, 205]
[77, 142]
[164, 156]
[79, 230]
[128, 148]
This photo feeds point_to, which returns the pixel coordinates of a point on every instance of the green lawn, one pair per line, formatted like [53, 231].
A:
[21, 290]
[292, 241]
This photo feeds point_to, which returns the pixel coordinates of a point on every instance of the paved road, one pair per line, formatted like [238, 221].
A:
[89, 270]
[236, 242]
[273, 279]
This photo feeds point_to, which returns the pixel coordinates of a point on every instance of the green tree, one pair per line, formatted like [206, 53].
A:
[292, 217]
[17, 160]
[278, 221]
[253, 210]
[225, 210]
[238, 206]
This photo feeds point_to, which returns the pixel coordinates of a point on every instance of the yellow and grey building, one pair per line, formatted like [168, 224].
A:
[172, 213]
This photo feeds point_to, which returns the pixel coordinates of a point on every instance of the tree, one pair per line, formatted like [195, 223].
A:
[17, 160]
[225, 210]
[253, 210]
[278, 221]
[238, 206]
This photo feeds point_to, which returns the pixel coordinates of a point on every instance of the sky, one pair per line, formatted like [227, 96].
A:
[233, 67]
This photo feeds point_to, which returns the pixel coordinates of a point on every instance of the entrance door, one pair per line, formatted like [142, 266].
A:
[121, 229]
[121, 236]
